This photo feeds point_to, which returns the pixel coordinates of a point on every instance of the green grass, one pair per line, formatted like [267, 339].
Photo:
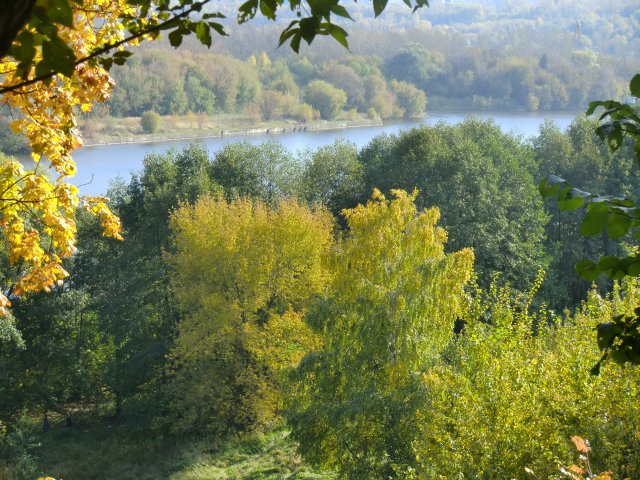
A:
[120, 452]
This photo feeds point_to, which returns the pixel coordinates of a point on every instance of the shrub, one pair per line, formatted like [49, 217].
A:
[150, 122]
[328, 99]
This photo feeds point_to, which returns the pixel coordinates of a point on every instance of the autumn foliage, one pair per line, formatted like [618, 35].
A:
[38, 204]
[244, 276]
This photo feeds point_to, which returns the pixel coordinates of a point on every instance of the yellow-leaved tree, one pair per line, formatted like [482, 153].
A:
[244, 275]
[38, 204]
[387, 317]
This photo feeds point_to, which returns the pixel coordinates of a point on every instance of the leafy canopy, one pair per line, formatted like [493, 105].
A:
[244, 275]
[387, 316]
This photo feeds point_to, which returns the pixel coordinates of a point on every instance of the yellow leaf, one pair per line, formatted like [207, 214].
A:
[581, 445]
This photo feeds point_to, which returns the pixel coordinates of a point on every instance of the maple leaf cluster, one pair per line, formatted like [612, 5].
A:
[38, 204]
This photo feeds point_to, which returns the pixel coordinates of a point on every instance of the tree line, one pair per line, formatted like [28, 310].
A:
[401, 84]
[458, 57]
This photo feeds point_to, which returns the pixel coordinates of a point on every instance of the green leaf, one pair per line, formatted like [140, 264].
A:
[634, 86]
[340, 11]
[614, 138]
[633, 269]
[203, 33]
[587, 270]
[606, 334]
[339, 34]
[175, 38]
[618, 356]
[219, 28]
[609, 262]
[551, 185]
[247, 10]
[24, 50]
[618, 224]
[106, 62]
[122, 54]
[295, 41]
[288, 32]
[595, 221]
[60, 12]
[58, 56]
[268, 8]
[571, 198]
[308, 28]
[379, 6]
[592, 107]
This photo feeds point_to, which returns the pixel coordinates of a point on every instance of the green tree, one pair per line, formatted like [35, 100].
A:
[326, 98]
[266, 171]
[480, 178]
[615, 216]
[580, 157]
[58, 364]
[346, 79]
[150, 122]
[410, 99]
[333, 176]
[415, 64]
[516, 383]
[200, 98]
[386, 317]
[128, 283]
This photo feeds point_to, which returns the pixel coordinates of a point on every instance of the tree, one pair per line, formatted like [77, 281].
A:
[480, 179]
[415, 64]
[267, 171]
[410, 99]
[333, 176]
[386, 317]
[54, 59]
[128, 282]
[150, 121]
[345, 78]
[244, 275]
[326, 98]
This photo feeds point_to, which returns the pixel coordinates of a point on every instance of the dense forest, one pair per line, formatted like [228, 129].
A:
[409, 309]
[392, 331]
[455, 57]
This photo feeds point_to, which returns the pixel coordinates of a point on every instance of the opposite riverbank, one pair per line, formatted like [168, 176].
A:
[116, 131]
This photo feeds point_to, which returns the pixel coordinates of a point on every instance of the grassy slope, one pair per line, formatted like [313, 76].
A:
[115, 452]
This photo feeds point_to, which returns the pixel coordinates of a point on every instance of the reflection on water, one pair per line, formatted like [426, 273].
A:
[98, 165]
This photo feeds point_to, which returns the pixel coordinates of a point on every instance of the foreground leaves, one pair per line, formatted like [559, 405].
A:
[616, 217]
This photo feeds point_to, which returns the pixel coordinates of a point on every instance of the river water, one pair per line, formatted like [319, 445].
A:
[98, 165]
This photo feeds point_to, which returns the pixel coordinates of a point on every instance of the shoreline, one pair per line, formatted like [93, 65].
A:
[204, 134]
[140, 138]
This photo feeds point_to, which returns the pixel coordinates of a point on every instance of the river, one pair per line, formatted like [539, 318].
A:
[98, 165]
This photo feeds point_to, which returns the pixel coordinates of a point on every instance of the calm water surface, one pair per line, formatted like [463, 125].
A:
[98, 165]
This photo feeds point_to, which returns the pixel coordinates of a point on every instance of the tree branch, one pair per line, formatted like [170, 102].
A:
[102, 50]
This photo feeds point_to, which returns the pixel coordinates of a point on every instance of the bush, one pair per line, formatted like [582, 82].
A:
[411, 100]
[150, 122]
[326, 98]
